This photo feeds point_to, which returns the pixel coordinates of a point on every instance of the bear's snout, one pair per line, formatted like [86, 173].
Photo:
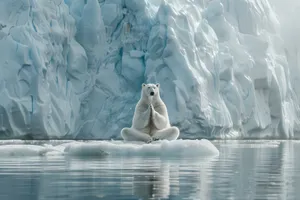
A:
[151, 93]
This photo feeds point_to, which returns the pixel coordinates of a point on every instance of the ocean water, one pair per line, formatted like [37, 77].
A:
[243, 170]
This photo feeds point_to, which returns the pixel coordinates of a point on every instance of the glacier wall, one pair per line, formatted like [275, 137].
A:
[74, 68]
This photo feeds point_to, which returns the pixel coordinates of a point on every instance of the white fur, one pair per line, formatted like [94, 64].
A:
[150, 120]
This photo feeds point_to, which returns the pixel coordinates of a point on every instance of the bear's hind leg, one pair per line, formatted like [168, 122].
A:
[130, 134]
[171, 133]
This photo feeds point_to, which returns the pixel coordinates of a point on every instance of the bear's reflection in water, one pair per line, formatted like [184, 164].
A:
[152, 184]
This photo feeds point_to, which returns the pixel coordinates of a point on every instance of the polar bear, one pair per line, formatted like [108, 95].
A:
[150, 120]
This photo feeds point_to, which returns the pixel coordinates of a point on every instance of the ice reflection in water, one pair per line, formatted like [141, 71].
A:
[244, 170]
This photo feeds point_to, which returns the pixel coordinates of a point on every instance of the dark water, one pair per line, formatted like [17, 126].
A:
[244, 170]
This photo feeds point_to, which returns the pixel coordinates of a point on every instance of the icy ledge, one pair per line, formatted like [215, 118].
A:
[178, 148]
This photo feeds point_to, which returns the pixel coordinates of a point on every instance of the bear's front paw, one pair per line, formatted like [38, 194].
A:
[149, 141]
[155, 139]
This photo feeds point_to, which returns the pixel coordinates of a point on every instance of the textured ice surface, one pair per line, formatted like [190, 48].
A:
[74, 68]
[186, 148]
[163, 148]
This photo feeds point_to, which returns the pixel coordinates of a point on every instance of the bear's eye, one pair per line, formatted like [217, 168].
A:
[148, 87]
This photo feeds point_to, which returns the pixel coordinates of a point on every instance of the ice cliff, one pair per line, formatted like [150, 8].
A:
[74, 68]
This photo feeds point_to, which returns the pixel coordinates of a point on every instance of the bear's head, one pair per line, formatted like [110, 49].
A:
[150, 91]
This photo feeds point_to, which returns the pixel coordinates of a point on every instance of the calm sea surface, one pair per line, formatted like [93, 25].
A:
[243, 170]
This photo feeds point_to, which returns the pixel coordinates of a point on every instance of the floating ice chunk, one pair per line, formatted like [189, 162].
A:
[85, 149]
[22, 150]
[187, 148]
[161, 148]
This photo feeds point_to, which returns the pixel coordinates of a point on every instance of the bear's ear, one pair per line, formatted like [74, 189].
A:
[157, 85]
[144, 84]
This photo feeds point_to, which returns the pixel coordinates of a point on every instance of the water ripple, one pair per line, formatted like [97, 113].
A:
[244, 170]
